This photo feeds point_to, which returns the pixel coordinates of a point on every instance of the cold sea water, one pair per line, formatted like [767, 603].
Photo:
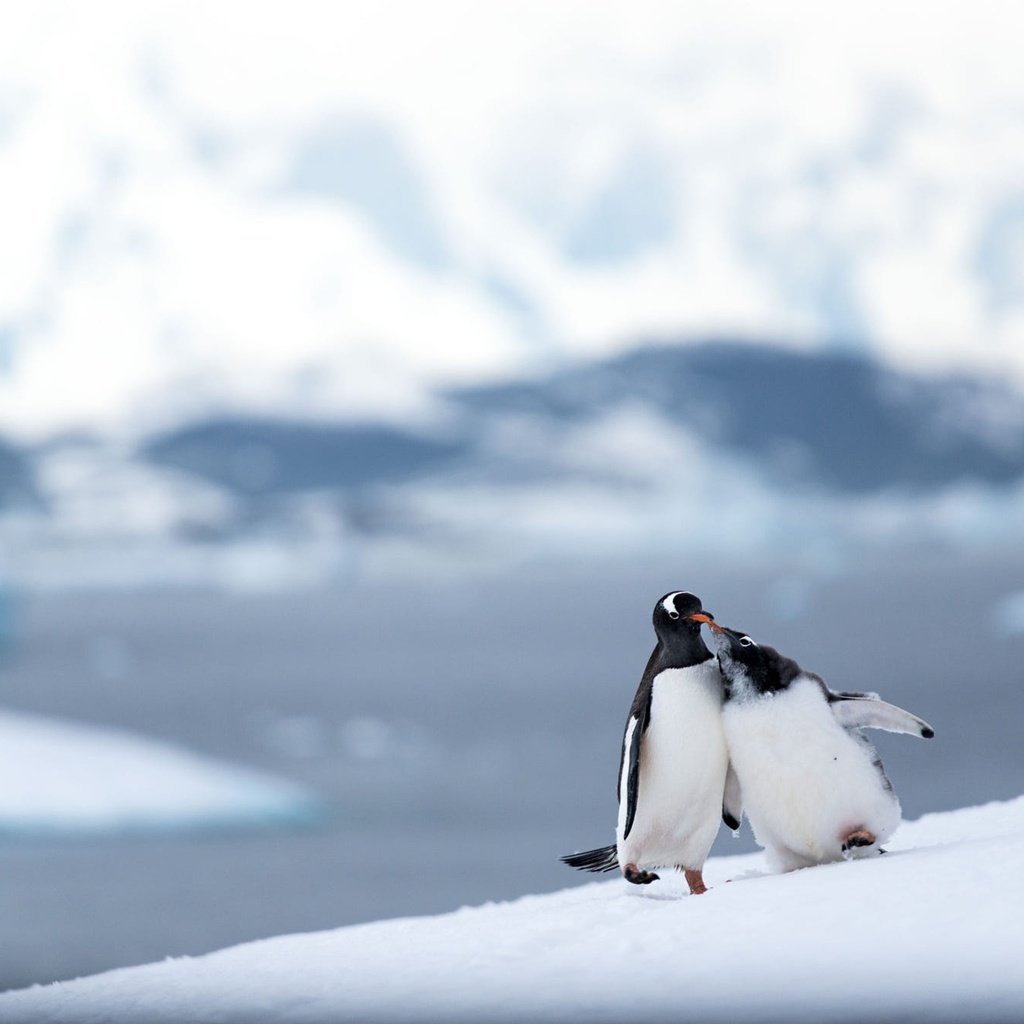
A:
[463, 734]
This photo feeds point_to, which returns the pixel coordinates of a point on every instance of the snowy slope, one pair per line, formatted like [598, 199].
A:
[68, 779]
[930, 932]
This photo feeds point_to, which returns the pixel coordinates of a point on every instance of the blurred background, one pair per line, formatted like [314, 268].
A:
[368, 371]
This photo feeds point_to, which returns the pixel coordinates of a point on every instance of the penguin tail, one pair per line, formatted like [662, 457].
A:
[603, 859]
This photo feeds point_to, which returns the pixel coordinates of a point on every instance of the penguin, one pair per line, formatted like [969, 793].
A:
[673, 764]
[813, 786]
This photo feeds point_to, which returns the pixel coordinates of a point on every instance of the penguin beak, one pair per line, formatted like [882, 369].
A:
[708, 619]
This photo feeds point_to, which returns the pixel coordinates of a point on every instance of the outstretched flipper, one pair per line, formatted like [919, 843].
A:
[602, 859]
[732, 800]
[869, 711]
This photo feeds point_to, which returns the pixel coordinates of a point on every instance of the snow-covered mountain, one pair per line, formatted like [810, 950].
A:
[283, 272]
[756, 449]
[16, 486]
[826, 422]
[306, 209]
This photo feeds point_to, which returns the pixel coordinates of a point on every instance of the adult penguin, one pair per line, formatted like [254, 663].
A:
[673, 766]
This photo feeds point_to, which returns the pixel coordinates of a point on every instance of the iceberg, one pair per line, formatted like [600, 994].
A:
[65, 779]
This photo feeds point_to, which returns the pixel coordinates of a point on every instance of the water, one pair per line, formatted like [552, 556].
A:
[465, 734]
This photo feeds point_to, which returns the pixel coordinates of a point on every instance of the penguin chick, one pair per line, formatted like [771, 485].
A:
[813, 786]
[672, 768]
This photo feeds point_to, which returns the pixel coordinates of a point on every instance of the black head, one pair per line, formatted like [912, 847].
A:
[675, 628]
[671, 613]
[744, 661]
[736, 648]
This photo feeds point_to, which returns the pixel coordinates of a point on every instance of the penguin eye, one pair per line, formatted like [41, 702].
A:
[745, 641]
[673, 615]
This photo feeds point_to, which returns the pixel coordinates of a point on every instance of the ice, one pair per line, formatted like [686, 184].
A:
[64, 779]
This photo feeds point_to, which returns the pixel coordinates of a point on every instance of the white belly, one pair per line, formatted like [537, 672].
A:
[807, 783]
[683, 763]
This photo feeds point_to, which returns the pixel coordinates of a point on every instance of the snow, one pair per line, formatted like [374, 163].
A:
[66, 779]
[931, 931]
[356, 214]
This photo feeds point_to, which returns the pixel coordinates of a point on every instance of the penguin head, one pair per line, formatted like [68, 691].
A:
[744, 661]
[673, 615]
[735, 645]
[677, 619]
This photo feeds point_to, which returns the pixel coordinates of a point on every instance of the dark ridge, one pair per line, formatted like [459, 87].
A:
[259, 456]
[17, 482]
[833, 419]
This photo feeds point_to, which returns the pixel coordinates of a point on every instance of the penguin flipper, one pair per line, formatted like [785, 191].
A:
[634, 738]
[732, 800]
[869, 711]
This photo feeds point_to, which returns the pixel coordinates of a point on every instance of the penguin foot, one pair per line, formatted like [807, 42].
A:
[859, 837]
[695, 880]
[633, 874]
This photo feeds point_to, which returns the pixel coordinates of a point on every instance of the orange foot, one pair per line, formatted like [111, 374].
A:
[695, 881]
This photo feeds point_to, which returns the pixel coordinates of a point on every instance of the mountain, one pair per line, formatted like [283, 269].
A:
[16, 483]
[828, 421]
[758, 449]
[260, 456]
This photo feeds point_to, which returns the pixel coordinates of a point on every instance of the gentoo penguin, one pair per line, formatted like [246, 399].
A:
[813, 786]
[672, 770]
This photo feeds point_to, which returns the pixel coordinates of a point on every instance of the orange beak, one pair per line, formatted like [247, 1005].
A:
[707, 620]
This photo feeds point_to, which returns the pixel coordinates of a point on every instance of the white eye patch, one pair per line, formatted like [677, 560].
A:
[669, 604]
[745, 641]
